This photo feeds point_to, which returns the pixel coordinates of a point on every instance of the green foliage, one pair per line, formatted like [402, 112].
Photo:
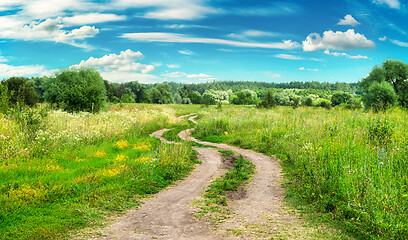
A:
[20, 92]
[340, 98]
[161, 94]
[195, 97]
[208, 99]
[396, 74]
[269, 101]
[308, 101]
[379, 96]
[245, 97]
[76, 90]
[349, 166]
[4, 99]
[324, 103]
[295, 101]
[127, 98]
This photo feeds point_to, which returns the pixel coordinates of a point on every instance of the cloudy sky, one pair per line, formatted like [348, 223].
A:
[193, 41]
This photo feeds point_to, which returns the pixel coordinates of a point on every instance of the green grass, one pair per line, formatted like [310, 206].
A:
[214, 199]
[350, 166]
[53, 194]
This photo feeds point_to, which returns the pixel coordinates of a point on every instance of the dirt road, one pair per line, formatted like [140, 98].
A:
[257, 214]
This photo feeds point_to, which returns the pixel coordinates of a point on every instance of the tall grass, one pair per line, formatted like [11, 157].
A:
[70, 170]
[351, 164]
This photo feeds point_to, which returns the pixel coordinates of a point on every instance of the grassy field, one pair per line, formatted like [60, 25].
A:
[351, 165]
[61, 172]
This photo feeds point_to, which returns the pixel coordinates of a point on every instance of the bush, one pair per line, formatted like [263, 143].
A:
[20, 92]
[340, 98]
[324, 103]
[380, 96]
[308, 101]
[76, 90]
[4, 99]
[269, 101]
[126, 98]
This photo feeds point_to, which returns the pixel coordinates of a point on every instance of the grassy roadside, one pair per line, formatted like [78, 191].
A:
[349, 167]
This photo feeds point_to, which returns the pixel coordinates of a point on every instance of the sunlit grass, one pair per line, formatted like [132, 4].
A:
[351, 164]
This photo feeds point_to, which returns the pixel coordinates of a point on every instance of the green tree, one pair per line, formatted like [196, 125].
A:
[392, 71]
[340, 98]
[195, 97]
[269, 100]
[77, 89]
[20, 91]
[208, 99]
[127, 98]
[379, 96]
[161, 94]
[4, 99]
[245, 97]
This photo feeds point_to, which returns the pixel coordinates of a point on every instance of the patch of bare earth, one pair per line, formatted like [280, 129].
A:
[257, 211]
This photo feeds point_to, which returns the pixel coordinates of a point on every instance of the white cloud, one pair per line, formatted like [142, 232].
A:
[113, 67]
[399, 43]
[391, 3]
[41, 9]
[288, 56]
[348, 20]
[181, 38]
[3, 59]
[29, 70]
[173, 65]
[92, 18]
[174, 74]
[200, 76]
[186, 52]
[169, 9]
[337, 54]
[273, 75]
[252, 33]
[336, 41]
[308, 69]
[50, 30]
[382, 38]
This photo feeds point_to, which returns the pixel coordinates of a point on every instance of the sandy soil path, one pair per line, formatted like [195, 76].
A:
[258, 213]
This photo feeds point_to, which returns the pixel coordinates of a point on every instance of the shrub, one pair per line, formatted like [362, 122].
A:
[76, 90]
[126, 98]
[379, 96]
[269, 101]
[339, 98]
[20, 92]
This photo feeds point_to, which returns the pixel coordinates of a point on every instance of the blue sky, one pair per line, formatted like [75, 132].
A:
[194, 41]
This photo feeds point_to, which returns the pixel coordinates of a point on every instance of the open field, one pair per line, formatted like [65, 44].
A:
[350, 164]
[67, 171]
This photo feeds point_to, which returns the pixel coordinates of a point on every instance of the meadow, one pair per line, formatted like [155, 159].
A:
[61, 172]
[351, 166]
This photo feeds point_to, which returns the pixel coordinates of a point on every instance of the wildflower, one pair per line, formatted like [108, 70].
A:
[225, 133]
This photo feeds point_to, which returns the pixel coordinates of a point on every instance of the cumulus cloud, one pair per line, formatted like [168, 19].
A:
[50, 30]
[382, 38]
[336, 41]
[181, 38]
[391, 3]
[28, 70]
[337, 54]
[124, 62]
[288, 56]
[348, 20]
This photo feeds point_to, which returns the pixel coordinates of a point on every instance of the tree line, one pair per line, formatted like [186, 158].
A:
[83, 89]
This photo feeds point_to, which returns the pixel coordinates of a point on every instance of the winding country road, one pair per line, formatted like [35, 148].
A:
[257, 214]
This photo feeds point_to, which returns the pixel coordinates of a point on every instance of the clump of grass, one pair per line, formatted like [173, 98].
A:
[214, 202]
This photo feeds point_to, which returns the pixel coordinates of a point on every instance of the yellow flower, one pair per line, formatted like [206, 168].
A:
[225, 133]
[121, 158]
[144, 146]
[100, 154]
[122, 144]
[142, 159]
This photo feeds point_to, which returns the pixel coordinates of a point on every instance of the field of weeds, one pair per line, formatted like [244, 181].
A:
[60, 172]
[352, 165]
